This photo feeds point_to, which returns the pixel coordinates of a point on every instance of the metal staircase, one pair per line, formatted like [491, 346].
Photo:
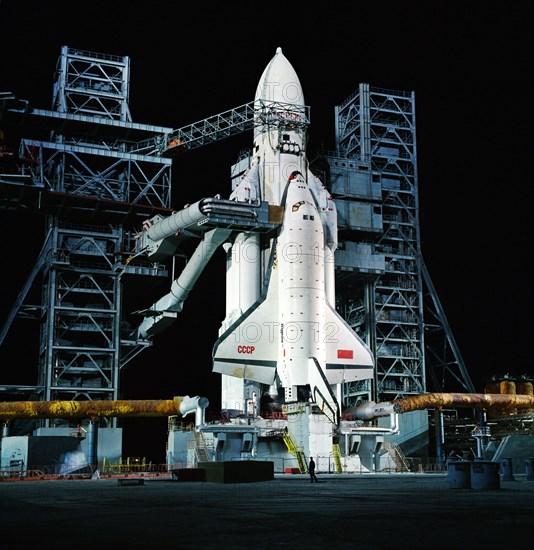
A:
[395, 452]
[292, 448]
[201, 449]
[337, 458]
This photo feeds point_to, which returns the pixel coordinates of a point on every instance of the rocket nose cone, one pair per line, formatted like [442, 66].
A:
[279, 82]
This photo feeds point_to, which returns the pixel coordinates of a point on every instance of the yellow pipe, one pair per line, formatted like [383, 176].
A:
[90, 409]
[475, 400]
[170, 407]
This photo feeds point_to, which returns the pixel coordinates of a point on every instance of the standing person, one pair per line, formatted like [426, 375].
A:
[311, 470]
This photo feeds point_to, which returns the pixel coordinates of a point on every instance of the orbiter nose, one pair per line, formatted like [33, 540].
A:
[279, 82]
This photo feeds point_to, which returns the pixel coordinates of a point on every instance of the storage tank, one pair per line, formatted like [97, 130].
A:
[507, 387]
[525, 387]
[493, 387]
[504, 385]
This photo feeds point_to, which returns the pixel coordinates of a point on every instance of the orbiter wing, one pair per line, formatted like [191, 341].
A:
[249, 347]
[348, 358]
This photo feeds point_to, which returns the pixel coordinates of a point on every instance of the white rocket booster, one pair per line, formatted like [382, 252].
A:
[291, 334]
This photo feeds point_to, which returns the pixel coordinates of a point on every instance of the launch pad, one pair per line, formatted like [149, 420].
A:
[285, 388]
[287, 440]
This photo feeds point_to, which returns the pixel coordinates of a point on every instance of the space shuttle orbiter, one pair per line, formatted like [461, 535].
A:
[282, 328]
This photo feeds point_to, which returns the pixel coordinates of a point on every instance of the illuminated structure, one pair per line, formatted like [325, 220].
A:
[100, 175]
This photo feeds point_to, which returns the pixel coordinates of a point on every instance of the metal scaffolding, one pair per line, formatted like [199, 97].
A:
[92, 189]
[384, 290]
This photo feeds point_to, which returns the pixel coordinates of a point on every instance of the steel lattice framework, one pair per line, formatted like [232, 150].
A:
[228, 123]
[393, 306]
[86, 164]
[81, 351]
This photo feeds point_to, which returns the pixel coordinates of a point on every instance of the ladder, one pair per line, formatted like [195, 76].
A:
[337, 458]
[201, 449]
[292, 448]
[303, 468]
[395, 452]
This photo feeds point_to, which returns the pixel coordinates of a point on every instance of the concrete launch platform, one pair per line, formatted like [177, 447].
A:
[392, 511]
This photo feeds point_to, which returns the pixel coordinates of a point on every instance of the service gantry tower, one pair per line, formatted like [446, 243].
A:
[94, 185]
[384, 289]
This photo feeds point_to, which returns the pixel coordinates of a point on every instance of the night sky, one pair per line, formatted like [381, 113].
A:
[468, 63]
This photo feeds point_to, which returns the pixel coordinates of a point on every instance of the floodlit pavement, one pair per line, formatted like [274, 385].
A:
[342, 511]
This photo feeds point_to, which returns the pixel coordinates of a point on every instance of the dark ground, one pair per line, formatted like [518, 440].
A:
[350, 511]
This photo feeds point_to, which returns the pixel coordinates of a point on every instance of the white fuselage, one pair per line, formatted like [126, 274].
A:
[281, 327]
[275, 165]
[301, 283]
